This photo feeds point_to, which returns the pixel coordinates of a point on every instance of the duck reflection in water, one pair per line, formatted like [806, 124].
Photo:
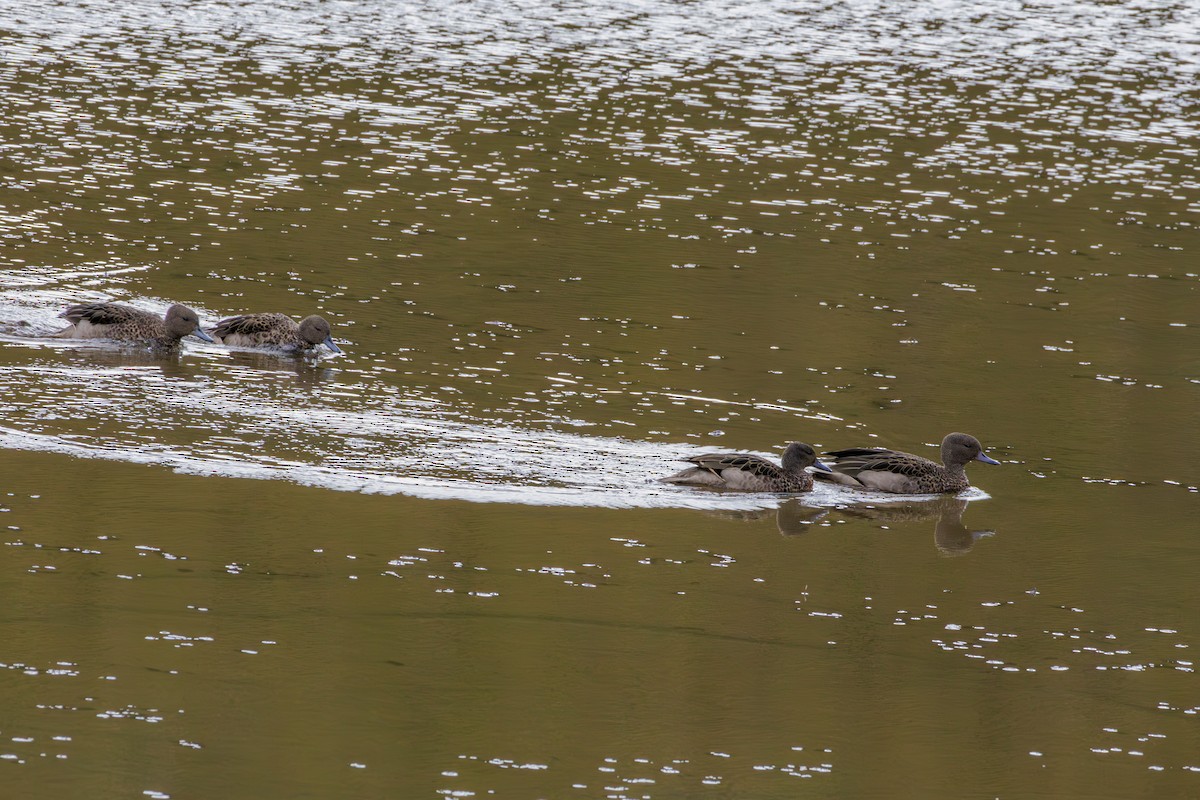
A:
[792, 517]
[309, 369]
[950, 536]
[171, 363]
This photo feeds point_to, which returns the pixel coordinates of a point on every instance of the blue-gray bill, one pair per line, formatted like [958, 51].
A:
[200, 334]
[986, 460]
[329, 343]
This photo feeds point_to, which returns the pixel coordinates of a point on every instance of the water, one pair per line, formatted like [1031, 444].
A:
[565, 245]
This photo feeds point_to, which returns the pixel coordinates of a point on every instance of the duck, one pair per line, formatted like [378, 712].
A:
[751, 473]
[895, 472]
[269, 329]
[128, 324]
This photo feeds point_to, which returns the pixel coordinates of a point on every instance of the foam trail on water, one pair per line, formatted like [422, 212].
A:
[626, 483]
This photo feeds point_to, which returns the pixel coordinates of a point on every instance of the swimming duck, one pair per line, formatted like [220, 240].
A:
[268, 329]
[751, 473]
[128, 324]
[904, 473]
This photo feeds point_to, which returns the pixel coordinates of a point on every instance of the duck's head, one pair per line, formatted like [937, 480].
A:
[799, 455]
[959, 448]
[316, 330]
[181, 321]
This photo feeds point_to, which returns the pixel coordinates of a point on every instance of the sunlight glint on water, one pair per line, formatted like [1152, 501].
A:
[564, 245]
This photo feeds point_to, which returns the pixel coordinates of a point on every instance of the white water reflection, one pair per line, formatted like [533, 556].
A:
[591, 471]
[588, 471]
[336, 423]
[209, 413]
[1008, 101]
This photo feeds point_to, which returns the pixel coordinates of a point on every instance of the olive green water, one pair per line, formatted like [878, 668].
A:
[564, 245]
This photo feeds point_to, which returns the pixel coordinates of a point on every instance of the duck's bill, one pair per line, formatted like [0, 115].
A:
[823, 467]
[201, 335]
[329, 343]
[986, 460]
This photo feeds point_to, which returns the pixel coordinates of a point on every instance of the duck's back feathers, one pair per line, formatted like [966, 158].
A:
[889, 471]
[106, 314]
[269, 329]
[128, 324]
[750, 473]
[757, 466]
[904, 473]
[734, 471]
[255, 330]
[853, 452]
[856, 461]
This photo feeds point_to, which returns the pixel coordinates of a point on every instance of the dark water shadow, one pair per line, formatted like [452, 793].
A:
[171, 362]
[950, 535]
[103, 356]
[310, 369]
[792, 517]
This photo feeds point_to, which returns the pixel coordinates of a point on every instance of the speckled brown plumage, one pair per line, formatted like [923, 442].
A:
[904, 473]
[751, 473]
[128, 324]
[268, 329]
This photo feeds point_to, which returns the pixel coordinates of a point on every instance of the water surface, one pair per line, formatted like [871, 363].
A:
[564, 245]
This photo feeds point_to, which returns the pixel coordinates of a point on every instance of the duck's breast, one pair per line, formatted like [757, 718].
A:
[892, 482]
[694, 476]
[241, 339]
[86, 330]
[745, 481]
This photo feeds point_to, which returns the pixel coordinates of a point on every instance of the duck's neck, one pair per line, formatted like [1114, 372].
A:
[951, 467]
[166, 342]
[791, 465]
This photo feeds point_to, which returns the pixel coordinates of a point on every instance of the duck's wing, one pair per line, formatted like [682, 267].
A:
[754, 465]
[854, 452]
[857, 460]
[102, 314]
[244, 325]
